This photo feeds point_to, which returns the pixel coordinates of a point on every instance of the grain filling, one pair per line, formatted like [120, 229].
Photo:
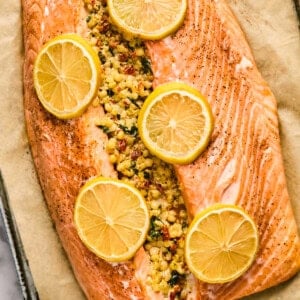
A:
[127, 81]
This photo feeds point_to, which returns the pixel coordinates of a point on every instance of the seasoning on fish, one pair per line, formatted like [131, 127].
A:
[242, 165]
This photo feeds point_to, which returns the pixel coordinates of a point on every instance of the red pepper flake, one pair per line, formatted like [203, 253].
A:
[140, 87]
[129, 70]
[159, 187]
[123, 57]
[113, 44]
[133, 54]
[173, 248]
[165, 232]
[175, 292]
[117, 89]
[122, 145]
[135, 154]
[146, 184]
[104, 27]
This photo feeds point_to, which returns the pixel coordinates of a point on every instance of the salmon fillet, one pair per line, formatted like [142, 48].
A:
[242, 165]
[67, 153]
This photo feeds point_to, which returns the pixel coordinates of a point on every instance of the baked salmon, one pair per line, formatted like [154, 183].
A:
[242, 165]
[66, 154]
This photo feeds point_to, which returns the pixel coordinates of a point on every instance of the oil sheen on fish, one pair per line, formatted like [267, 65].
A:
[242, 165]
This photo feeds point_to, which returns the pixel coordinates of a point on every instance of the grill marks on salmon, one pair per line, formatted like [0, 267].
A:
[243, 163]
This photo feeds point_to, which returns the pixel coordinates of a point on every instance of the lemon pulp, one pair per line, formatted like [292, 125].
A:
[66, 75]
[175, 123]
[221, 243]
[111, 218]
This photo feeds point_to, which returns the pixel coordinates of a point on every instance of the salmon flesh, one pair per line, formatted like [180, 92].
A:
[242, 164]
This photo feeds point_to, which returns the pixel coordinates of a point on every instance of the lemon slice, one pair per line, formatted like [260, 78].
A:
[66, 75]
[175, 123]
[221, 243]
[148, 19]
[111, 218]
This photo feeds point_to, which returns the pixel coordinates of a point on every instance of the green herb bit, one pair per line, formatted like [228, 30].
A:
[146, 65]
[104, 128]
[175, 278]
[155, 230]
[133, 101]
[132, 131]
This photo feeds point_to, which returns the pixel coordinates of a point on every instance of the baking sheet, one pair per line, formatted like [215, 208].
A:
[272, 30]
[50, 269]
[12, 236]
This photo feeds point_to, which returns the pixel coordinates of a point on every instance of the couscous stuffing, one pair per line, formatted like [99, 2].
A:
[127, 82]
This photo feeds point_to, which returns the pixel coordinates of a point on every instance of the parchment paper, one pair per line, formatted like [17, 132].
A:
[272, 30]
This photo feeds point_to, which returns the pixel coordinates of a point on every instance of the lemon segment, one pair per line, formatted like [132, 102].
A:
[175, 123]
[221, 243]
[111, 218]
[148, 19]
[66, 75]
